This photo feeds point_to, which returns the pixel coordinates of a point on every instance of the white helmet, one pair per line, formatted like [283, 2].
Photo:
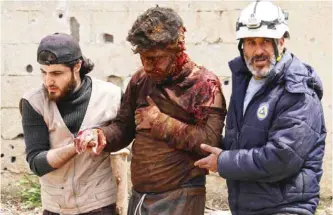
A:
[262, 19]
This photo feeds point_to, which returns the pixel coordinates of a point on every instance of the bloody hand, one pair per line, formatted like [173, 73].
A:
[91, 140]
[144, 117]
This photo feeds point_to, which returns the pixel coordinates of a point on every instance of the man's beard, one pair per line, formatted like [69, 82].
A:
[162, 77]
[264, 72]
[68, 89]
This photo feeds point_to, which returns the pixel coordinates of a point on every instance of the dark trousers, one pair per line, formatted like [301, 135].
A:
[182, 201]
[107, 210]
[284, 214]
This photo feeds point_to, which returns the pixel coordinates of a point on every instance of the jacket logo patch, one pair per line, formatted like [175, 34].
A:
[262, 111]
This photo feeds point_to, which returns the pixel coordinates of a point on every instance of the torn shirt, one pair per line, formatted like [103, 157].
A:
[192, 112]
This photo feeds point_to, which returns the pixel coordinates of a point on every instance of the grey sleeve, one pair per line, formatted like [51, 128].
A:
[36, 137]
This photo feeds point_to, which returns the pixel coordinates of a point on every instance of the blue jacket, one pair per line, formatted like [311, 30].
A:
[272, 156]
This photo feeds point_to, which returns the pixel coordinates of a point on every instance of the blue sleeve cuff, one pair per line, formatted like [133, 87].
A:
[220, 163]
[227, 164]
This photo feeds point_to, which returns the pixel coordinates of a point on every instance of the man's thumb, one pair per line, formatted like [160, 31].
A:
[210, 149]
[150, 101]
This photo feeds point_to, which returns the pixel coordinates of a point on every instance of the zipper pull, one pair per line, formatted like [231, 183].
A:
[237, 143]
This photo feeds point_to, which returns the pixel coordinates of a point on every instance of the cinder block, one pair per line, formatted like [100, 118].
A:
[13, 156]
[2, 60]
[97, 6]
[18, 57]
[210, 39]
[112, 59]
[227, 26]
[15, 27]
[83, 19]
[116, 23]
[203, 55]
[11, 126]
[13, 88]
[210, 27]
[193, 33]
[209, 6]
[301, 5]
[42, 23]
[30, 27]
[206, 25]
[28, 6]
[142, 6]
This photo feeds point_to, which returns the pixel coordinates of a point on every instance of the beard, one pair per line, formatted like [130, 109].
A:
[165, 76]
[68, 89]
[264, 71]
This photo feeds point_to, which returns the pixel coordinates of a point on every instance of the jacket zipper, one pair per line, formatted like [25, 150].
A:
[237, 182]
[73, 180]
[261, 91]
[73, 185]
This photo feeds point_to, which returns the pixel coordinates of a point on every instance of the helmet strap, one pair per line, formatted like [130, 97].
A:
[276, 50]
[241, 50]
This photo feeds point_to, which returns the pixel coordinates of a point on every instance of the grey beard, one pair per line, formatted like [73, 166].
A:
[261, 73]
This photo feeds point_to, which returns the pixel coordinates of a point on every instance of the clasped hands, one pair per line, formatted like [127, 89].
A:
[90, 140]
[94, 140]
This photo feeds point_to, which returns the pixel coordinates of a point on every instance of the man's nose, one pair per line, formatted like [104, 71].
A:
[48, 80]
[149, 67]
[259, 50]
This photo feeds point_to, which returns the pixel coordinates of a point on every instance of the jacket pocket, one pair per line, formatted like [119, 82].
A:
[294, 185]
[252, 137]
[96, 180]
[271, 191]
[53, 196]
[302, 187]
[106, 194]
[100, 182]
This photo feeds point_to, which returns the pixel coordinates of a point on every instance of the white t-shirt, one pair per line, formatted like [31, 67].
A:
[252, 89]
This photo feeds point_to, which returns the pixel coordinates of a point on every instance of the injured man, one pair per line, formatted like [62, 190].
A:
[171, 106]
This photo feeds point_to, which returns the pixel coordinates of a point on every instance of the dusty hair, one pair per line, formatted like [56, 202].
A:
[156, 28]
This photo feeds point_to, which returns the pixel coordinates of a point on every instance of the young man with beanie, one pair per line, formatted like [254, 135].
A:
[274, 143]
[170, 107]
[53, 114]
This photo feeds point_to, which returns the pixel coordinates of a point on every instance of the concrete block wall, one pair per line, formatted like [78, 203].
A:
[102, 26]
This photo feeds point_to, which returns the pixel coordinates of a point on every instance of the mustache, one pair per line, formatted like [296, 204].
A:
[156, 73]
[48, 86]
[259, 57]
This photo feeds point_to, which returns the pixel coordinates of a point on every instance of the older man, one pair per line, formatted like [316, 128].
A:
[275, 133]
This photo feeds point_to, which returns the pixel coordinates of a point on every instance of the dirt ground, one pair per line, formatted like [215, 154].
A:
[216, 203]
[216, 193]
[11, 205]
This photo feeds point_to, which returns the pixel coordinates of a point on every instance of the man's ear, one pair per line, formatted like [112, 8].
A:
[282, 44]
[77, 67]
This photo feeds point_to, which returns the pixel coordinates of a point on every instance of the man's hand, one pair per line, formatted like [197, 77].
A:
[144, 117]
[91, 140]
[209, 162]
